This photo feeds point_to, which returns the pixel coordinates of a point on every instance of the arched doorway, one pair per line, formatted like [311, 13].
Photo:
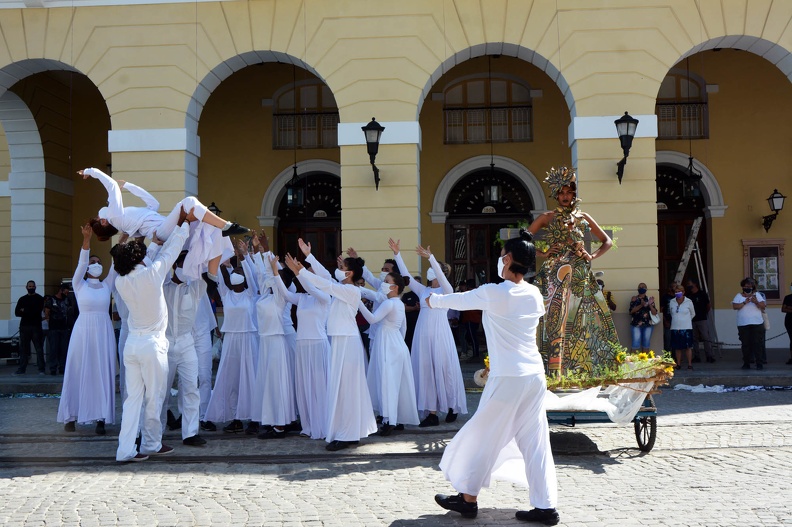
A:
[679, 203]
[312, 212]
[479, 205]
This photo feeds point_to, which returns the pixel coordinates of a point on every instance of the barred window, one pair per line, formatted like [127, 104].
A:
[305, 117]
[681, 108]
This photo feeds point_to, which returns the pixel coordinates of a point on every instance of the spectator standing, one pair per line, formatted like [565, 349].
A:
[412, 309]
[682, 313]
[29, 308]
[607, 294]
[665, 299]
[641, 307]
[750, 325]
[701, 332]
[786, 307]
[56, 312]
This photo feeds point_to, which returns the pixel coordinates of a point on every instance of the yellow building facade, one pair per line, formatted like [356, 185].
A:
[222, 99]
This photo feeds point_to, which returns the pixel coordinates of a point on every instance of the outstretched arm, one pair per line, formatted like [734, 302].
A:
[115, 203]
[150, 201]
[380, 313]
[415, 287]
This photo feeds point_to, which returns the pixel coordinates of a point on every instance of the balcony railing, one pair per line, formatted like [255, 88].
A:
[305, 130]
[483, 125]
[682, 120]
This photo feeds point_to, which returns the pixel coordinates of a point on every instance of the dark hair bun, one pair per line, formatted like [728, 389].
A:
[525, 235]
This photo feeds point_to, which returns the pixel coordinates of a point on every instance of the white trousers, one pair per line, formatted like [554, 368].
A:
[203, 350]
[122, 338]
[146, 365]
[507, 438]
[183, 359]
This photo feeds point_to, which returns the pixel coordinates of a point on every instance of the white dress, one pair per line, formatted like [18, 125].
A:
[89, 380]
[273, 393]
[436, 370]
[349, 412]
[391, 383]
[232, 395]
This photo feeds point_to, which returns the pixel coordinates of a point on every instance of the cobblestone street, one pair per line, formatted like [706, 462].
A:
[720, 459]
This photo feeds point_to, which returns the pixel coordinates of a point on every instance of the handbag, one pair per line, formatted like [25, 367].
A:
[766, 320]
[654, 318]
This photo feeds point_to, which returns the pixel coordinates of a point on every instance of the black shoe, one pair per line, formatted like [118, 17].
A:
[759, 366]
[195, 440]
[100, 428]
[294, 426]
[272, 433]
[208, 426]
[333, 446]
[398, 428]
[451, 416]
[543, 516]
[252, 428]
[234, 427]
[386, 430]
[746, 366]
[235, 229]
[138, 441]
[430, 420]
[173, 422]
[70, 427]
[378, 419]
[710, 359]
[18, 373]
[457, 504]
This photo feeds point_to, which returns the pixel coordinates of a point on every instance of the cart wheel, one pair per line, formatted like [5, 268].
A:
[645, 432]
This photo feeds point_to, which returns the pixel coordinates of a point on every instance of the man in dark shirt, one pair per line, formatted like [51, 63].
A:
[786, 308]
[28, 309]
[411, 311]
[56, 312]
[701, 304]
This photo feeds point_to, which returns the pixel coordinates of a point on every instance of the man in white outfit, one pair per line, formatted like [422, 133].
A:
[205, 324]
[146, 352]
[182, 296]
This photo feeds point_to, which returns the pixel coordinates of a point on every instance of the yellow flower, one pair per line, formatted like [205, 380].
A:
[669, 369]
[651, 354]
[643, 356]
[486, 362]
[620, 357]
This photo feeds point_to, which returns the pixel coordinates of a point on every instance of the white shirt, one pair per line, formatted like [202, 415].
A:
[205, 320]
[141, 289]
[681, 314]
[136, 221]
[750, 315]
[510, 315]
[182, 300]
[343, 308]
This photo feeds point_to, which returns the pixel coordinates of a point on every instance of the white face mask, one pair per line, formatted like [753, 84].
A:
[385, 288]
[383, 274]
[339, 275]
[95, 269]
[430, 276]
[236, 279]
[179, 272]
[501, 266]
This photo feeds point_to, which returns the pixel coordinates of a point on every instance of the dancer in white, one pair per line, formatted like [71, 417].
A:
[182, 296]
[146, 352]
[89, 380]
[349, 412]
[232, 396]
[508, 437]
[395, 388]
[438, 376]
[207, 246]
[205, 324]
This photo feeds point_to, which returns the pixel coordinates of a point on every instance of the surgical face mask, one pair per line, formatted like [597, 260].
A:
[602, 287]
[95, 269]
[385, 288]
[179, 272]
[383, 274]
[679, 294]
[236, 279]
[430, 275]
[747, 289]
[641, 291]
[339, 275]
[501, 266]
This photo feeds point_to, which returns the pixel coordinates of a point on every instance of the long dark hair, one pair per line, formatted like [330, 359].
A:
[103, 232]
[523, 254]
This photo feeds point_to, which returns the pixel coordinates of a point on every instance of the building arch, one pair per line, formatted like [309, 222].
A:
[268, 216]
[713, 197]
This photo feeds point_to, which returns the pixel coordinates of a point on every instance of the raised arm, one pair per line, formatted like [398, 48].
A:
[415, 287]
[115, 202]
[150, 201]
[369, 277]
[379, 314]
[171, 249]
[445, 285]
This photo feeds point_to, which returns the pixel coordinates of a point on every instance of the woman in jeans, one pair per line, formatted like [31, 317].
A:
[641, 307]
[750, 326]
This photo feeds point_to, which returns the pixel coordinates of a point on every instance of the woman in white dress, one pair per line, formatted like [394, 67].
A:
[438, 377]
[508, 437]
[232, 395]
[89, 381]
[395, 388]
[349, 412]
[208, 244]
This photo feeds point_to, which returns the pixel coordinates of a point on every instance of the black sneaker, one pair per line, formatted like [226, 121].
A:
[70, 427]
[100, 428]
[252, 428]
[235, 229]
[543, 516]
[430, 420]
[451, 416]
[336, 445]
[195, 440]
[173, 422]
[457, 504]
[759, 366]
[385, 430]
[272, 433]
[234, 427]
[208, 426]
[294, 426]
[398, 428]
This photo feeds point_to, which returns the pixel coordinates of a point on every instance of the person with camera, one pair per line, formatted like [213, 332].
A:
[749, 305]
[642, 308]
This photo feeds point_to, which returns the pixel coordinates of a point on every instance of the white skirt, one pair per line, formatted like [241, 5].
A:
[232, 396]
[273, 392]
[349, 412]
[310, 383]
[390, 378]
[507, 439]
[438, 376]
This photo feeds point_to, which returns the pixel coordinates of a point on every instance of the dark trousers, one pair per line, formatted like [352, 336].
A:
[58, 345]
[752, 340]
[471, 334]
[26, 336]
